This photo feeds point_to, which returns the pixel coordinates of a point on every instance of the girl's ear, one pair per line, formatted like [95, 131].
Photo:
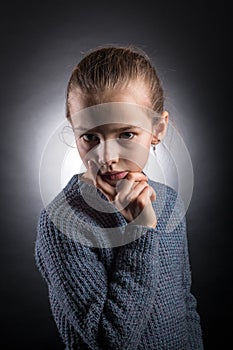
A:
[160, 129]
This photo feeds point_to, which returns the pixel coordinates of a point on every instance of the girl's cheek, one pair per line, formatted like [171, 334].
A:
[86, 152]
[82, 146]
[137, 154]
[82, 149]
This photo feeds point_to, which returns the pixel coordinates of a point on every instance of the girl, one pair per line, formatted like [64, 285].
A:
[112, 245]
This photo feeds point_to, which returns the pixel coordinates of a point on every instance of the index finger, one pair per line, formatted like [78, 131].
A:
[136, 176]
[130, 181]
[90, 175]
[106, 188]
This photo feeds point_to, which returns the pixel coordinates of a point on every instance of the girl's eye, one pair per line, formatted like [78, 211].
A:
[127, 135]
[89, 138]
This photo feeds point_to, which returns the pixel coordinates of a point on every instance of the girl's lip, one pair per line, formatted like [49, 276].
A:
[115, 176]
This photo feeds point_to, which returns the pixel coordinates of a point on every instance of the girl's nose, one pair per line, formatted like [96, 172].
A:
[108, 152]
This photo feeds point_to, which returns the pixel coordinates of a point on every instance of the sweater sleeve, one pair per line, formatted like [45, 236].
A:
[107, 312]
[193, 318]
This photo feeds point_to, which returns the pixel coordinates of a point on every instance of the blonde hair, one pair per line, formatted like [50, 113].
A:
[108, 68]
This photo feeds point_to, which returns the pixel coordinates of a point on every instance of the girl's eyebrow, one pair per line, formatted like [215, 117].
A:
[117, 129]
[128, 127]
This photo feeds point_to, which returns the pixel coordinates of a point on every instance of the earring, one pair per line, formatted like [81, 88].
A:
[154, 150]
[154, 147]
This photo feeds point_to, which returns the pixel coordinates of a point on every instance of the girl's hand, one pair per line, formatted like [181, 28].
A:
[132, 195]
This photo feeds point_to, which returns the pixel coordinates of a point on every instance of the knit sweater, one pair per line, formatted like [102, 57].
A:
[134, 295]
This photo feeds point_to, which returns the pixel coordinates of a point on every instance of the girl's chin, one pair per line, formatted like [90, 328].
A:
[111, 182]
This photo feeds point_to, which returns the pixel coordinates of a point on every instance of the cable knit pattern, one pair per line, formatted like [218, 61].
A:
[129, 296]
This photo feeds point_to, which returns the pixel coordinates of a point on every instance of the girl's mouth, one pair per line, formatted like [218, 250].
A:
[114, 176]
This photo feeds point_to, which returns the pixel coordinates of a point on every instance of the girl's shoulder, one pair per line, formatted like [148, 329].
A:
[60, 204]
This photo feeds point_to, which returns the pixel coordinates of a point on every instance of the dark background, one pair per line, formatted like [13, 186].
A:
[40, 43]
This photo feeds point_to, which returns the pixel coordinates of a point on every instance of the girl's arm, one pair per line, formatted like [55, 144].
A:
[105, 312]
[131, 291]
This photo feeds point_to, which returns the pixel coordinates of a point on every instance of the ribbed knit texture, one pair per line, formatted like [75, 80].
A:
[130, 297]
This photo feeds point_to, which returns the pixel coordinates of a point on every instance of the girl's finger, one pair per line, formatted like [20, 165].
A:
[152, 194]
[142, 198]
[125, 185]
[136, 191]
[136, 176]
[123, 199]
[105, 187]
[89, 176]
[92, 170]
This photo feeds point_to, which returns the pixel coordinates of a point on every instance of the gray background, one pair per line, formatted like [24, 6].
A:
[40, 44]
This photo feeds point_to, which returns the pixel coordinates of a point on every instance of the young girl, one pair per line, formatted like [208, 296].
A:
[112, 245]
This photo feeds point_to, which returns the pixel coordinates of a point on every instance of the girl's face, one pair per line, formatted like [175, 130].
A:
[116, 136]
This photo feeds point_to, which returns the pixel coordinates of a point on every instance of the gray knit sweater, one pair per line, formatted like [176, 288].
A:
[130, 293]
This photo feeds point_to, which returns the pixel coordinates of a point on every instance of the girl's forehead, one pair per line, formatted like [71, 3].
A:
[109, 128]
[114, 114]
